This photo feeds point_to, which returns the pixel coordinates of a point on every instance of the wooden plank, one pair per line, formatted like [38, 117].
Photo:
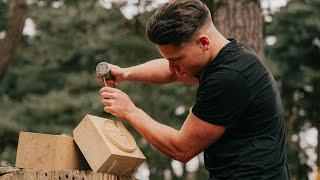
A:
[45, 175]
[36, 174]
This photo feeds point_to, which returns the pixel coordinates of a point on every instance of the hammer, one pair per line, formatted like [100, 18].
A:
[103, 72]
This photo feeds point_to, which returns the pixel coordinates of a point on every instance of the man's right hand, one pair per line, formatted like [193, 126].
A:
[117, 74]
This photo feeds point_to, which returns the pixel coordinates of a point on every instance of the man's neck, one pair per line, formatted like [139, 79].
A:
[219, 42]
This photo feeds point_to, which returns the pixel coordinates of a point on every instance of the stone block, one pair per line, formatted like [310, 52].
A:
[107, 146]
[46, 151]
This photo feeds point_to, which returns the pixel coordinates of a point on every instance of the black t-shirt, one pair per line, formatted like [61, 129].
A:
[237, 91]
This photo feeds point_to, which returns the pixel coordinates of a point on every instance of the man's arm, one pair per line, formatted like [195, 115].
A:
[194, 136]
[155, 71]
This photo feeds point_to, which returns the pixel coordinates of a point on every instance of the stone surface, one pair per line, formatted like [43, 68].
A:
[107, 146]
[45, 151]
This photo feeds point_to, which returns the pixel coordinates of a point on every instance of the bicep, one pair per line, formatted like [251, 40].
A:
[197, 134]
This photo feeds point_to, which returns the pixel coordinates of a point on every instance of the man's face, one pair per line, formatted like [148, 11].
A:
[187, 60]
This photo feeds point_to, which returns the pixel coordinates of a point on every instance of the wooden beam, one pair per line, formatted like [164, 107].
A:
[12, 173]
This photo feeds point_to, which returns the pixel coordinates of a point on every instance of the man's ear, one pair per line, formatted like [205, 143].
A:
[204, 42]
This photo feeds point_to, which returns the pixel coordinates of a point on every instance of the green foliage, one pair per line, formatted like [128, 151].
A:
[4, 15]
[51, 85]
[295, 60]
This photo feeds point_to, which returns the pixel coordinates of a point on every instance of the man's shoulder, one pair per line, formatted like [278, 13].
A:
[244, 63]
[223, 74]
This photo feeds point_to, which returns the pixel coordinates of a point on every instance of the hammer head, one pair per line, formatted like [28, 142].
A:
[103, 71]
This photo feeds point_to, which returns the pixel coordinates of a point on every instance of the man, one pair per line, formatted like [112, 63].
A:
[237, 118]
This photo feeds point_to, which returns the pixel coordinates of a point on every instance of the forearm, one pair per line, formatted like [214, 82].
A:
[154, 71]
[166, 139]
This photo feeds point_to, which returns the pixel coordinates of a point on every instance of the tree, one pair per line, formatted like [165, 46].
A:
[13, 35]
[56, 86]
[295, 61]
[241, 19]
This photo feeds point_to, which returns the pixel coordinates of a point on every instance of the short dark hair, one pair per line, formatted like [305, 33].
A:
[177, 21]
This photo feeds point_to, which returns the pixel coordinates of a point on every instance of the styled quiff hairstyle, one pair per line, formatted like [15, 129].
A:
[177, 21]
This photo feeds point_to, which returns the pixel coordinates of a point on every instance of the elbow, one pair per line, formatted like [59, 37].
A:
[181, 151]
[183, 160]
[183, 157]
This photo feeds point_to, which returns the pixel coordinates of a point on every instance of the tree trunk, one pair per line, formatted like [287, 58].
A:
[13, 35]
[239, 19]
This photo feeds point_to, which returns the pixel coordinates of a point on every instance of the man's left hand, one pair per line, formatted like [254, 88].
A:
[116, 102]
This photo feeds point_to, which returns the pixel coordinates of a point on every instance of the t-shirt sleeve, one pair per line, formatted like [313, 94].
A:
[222, 98]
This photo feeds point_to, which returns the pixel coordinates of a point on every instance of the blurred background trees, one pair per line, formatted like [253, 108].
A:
[294, 57]
[50, 83]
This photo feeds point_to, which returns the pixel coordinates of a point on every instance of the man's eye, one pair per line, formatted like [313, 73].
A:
[174, 59]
